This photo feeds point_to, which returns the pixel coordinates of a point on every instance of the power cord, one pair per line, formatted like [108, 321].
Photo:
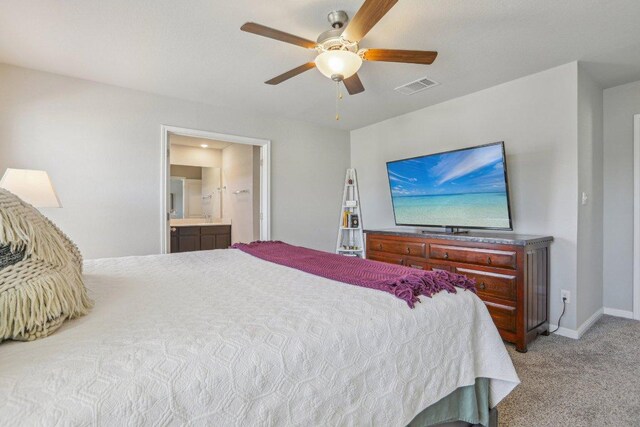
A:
[564, 307]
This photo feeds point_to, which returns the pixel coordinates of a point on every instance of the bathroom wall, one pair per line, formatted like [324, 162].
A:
[256, 193]
[238, 198]
[194, 156]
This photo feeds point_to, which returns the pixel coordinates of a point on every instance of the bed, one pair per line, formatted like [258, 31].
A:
[224, 338]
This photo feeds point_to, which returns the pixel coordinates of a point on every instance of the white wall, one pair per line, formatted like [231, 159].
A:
[537, 118]
[101, 147]
[237, 175]
[590, 229]
[620, 105]
[194, 156]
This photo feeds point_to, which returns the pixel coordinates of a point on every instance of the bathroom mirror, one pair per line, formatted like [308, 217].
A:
[195, 192]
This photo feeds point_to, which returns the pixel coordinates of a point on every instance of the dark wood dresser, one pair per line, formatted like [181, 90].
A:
[511, 271]
[188, 238]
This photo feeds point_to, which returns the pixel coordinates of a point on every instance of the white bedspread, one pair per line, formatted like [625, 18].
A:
[221, 338]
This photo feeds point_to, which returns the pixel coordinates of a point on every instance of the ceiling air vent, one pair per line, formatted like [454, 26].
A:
[416, 86]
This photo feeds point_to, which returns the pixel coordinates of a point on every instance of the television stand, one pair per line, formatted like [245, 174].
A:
[447, 230]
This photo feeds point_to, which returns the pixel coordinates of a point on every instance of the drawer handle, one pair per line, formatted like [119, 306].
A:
[482, 285]
[446, 255]
[489, 260]
[380, 246]
[172, 229]
[419, 267]
[409, 250]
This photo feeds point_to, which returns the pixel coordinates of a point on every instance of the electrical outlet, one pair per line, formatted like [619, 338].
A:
[565, 294]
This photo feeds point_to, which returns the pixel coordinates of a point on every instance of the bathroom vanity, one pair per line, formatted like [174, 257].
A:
[189, 236]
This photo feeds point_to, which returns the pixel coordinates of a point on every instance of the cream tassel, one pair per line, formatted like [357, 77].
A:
[38, 293]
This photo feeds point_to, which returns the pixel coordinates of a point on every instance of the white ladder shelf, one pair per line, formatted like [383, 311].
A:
[350, 236]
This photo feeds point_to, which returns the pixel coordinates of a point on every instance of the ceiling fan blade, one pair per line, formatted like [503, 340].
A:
[261, 30]
[353, 85]
[291, 73]
[395, 55]
[366, 17]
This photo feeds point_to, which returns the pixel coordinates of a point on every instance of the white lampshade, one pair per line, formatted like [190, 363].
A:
[338, 63]
[32, 186]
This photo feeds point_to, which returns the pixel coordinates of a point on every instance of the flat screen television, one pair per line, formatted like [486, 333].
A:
[464, 188]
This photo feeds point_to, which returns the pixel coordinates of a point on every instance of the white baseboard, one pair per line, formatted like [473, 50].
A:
[589, 322]
[618, 313]
[565, 332]
[576, 334]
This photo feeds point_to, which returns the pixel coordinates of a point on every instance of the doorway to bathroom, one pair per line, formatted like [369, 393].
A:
[215, 190]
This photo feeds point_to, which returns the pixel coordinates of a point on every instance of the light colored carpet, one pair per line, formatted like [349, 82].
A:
[594, 381]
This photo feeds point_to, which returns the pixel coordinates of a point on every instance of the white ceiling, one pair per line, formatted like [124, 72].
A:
[194, 49]
[190, 141]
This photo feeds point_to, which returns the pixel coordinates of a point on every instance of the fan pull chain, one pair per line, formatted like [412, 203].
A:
[338, 99]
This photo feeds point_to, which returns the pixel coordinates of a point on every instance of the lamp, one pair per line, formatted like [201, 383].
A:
[32, 186]
[338, 64]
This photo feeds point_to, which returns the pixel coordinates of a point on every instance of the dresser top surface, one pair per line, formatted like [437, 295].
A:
[475, 237]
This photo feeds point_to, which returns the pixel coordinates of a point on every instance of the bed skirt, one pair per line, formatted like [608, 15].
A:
[465, 406]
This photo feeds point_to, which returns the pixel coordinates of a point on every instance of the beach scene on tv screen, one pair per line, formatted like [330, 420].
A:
[462, 188]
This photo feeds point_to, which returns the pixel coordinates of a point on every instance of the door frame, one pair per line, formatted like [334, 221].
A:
[265, 176]
[636, 217]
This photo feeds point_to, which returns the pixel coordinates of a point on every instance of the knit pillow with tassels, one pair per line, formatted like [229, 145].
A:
[41, 281]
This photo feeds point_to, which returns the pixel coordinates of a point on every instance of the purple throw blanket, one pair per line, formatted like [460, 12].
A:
[404, 282]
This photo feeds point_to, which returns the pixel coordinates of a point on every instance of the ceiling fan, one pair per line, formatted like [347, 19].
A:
[339, 54]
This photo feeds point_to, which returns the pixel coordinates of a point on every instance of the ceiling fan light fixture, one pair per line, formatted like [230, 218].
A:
[338, 64]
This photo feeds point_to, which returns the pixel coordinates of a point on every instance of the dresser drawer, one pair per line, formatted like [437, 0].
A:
[417, 263]
[488, 257]
[388, 258]
[503, 316]
[416, 249]
[438, 267]
[492, 284]
[421, 264]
